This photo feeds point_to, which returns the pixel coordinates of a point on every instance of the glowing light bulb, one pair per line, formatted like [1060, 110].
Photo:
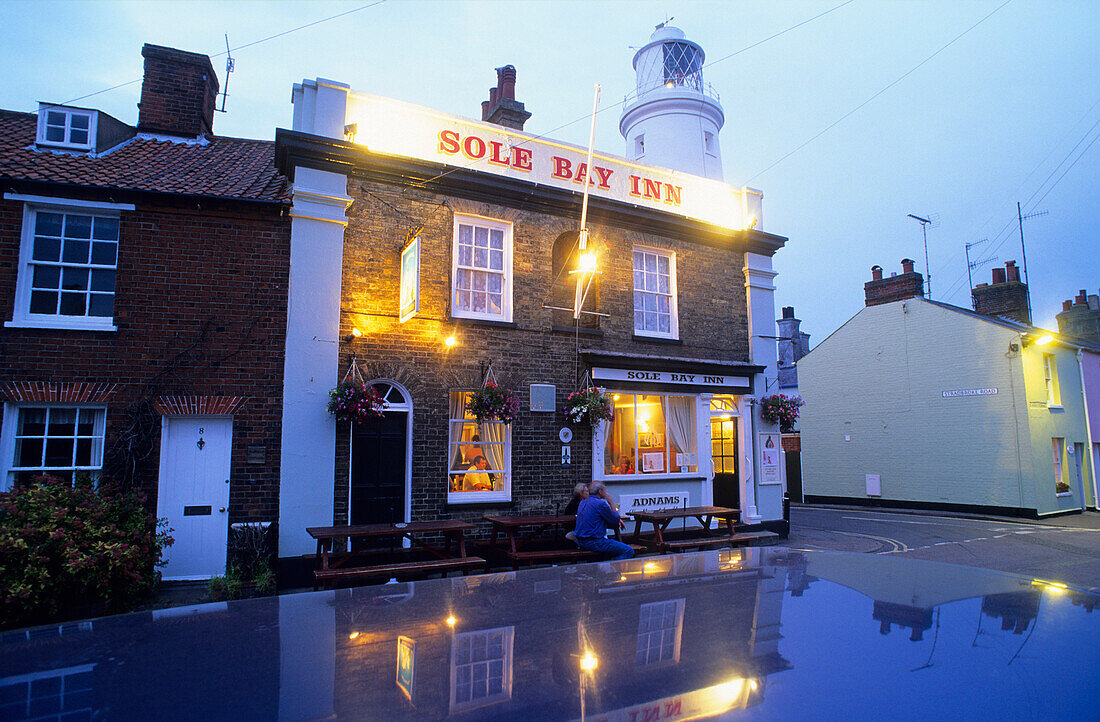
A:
[450, 341]
[1044, 339]
[356, 333]
[451, 621]
[353, 635]
[589, 662]
[587, 263]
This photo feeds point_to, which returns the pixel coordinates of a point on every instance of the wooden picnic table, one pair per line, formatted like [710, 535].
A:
[342, 566]
[541, 547]
[705, 514]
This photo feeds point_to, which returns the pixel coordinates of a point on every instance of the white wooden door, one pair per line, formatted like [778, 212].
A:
[194, 494]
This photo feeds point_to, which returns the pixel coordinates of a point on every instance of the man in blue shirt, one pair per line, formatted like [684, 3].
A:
[594, 516]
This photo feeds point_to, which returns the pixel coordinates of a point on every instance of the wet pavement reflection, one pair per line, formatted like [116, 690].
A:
[760, 633]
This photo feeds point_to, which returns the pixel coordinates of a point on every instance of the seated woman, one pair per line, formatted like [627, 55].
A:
[580, 493]
[625, 466]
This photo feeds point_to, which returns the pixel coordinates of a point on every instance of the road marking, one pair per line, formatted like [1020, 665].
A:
[897, 544]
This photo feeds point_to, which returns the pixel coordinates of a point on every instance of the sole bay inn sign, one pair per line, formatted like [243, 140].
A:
[723, 381]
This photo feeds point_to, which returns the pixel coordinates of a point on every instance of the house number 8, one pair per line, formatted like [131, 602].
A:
[201, 443]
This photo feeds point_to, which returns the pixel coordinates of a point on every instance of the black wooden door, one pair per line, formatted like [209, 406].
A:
[794, 475]
[378, 469]
[723, 441]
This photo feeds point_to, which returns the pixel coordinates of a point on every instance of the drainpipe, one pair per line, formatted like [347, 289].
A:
[1088, 432]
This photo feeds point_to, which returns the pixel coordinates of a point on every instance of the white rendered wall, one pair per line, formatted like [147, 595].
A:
[318, 220]
[875, 405]
[673, 122]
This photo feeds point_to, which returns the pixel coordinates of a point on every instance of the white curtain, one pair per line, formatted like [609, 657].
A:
[458, 411]
[492, 445]
[681, 426]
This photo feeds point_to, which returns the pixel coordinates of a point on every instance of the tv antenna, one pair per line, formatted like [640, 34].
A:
[971, 265]
[1020, 217]
[934, 221]
[229, 66]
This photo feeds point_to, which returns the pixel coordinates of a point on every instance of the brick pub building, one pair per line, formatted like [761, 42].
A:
[144, 273]
[430, 248]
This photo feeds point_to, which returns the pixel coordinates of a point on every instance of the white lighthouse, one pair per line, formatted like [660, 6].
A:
[672, 118]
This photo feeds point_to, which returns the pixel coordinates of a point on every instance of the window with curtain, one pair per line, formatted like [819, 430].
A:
[650, 434]
[479, 456]
[56, 440]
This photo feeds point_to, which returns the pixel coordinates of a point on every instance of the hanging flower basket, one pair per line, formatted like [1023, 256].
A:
[354, 401]
[590, 403]
[780, 409]
[493, 403]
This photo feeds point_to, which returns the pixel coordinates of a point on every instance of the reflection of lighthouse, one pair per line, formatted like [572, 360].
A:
[672, 119]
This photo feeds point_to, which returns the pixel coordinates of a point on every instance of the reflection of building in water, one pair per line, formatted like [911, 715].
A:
[916, 619]
[511, 645]
[1016, 610]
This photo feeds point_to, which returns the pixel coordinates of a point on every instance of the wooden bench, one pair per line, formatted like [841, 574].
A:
[328, 577]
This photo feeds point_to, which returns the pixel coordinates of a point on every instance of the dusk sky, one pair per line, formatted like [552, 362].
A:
[1010, 111]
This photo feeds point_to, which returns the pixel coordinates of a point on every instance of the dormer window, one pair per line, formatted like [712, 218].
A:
[63, 127]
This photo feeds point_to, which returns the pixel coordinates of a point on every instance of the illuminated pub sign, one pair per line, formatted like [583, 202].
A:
[391, 127]
[671, 377]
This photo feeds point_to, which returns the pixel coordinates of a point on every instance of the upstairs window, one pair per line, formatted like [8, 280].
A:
[481, 276]
[655, 294]
[63, 127]
[67, 264]
[1050, 379]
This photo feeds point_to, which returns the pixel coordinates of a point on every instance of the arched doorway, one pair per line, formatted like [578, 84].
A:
[381, 460]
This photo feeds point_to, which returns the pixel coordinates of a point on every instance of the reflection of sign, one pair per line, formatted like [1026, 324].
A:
[653, 502]
[406, 665]
[968, 392]
[410, 281]
[653, 461]
[769, 459]
[669, 377]
[697, 704]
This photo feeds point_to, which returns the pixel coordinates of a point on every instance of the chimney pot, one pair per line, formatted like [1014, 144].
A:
[998, 276]
[788, 312]
[1067, 305]
[1013, 273]
[876, 273]
[1082, 297]
[907, 265]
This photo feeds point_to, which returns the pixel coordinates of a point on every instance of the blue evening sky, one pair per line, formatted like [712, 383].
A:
[991, 120]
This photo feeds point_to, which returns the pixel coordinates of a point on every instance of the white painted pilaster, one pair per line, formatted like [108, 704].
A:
[760, 295]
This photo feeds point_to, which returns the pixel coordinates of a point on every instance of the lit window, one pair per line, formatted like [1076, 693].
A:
[482, 272]
[659, 627]
[54, 694]
[481, 668]
[655, 294]
[1058, 446]
[73, 128]
[67, 264]
[683, 65]
[650, 434]
[56, 440]
[479, 456]
[1050, 379]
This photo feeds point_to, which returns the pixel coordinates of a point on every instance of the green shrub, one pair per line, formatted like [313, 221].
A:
[67, 549]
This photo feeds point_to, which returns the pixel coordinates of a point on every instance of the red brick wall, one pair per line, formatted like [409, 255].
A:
[712, 315]
[200, 307]
[178, 92]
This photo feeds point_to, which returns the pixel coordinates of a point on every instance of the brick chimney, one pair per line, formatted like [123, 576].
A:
[178, 93]
[881, 290]
[502, 107]
[1006, 296]
[1080, 318]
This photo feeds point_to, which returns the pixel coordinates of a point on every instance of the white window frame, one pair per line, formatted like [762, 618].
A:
[505, 693]
[43, 113]
[506, 287]
[599, 441]
[479, 497]
[673, 325]
[1050, 379]
[8, 469]
[32, 205]
[646, 637]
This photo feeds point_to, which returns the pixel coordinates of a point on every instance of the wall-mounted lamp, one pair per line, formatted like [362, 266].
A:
[355, 333]
[450, 341]
[589, 661]
[1013, 347]
[1040, 340]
